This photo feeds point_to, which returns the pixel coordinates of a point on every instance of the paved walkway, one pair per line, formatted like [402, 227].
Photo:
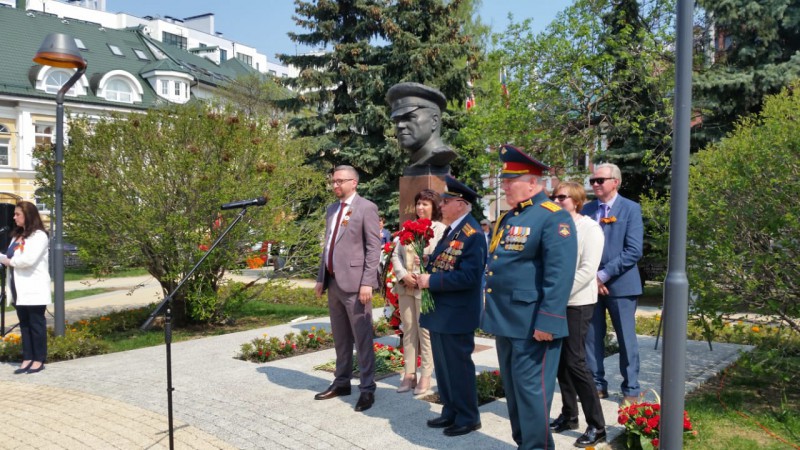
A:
[119, 400]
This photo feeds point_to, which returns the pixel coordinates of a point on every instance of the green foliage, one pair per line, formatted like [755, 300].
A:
[490, 386]
[754, 53]
[146, 189]
[600, 74]
[342, 105]
[265, 348]
[74, 344]
[743, 225]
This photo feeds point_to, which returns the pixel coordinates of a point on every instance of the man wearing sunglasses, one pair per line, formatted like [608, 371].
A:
[528, 281]
[618, 281]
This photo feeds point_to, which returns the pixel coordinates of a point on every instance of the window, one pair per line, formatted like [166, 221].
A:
[43, 133]
[223, 55]
[5, 145]
[173, 39]
[178, 89]
[80, 44]
[55, 79]
[118, 91]
[247, 59]
[141, 55]
[273, 73]
[164, 87]
[115, 50]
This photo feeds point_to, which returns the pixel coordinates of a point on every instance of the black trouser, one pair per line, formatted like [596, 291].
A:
[33, 327]
[574, 377]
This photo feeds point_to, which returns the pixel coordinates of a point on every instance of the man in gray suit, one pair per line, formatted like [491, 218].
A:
[349, 272]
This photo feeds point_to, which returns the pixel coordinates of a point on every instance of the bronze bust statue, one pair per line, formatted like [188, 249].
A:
[417, 116]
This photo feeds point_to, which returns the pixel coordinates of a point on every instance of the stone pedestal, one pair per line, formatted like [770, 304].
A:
[410, 187]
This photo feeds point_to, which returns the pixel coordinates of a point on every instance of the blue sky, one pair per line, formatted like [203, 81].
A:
[263, 24]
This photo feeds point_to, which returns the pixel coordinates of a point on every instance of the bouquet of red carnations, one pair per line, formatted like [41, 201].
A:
[417, 234]
[644, 419]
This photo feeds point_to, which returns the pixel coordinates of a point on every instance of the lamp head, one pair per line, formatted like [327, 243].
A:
[60, 50]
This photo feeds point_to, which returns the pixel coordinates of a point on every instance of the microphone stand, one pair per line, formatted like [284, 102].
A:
[166, 307]
[3, 302]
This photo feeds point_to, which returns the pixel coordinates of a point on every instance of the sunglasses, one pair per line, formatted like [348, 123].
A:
[560, 198]
[598, 180]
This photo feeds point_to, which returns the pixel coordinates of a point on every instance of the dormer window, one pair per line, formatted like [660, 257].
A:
[5, 145]
[55, 79]
[115, 50]
[80, 44]
[120, 86]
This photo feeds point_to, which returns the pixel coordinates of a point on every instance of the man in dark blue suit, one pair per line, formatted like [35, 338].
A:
[455, 271]
[529, 278]
[618, 280]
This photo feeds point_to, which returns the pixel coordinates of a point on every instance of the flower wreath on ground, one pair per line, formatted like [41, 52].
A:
[391, 309]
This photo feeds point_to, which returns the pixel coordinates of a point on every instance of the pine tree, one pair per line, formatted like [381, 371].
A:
[755, 52]
[371, 45]
[637, 114]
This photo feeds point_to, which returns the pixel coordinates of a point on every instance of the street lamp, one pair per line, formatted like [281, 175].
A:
[60, 50]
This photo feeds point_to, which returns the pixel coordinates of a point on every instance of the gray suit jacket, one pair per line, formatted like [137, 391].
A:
[357, 252]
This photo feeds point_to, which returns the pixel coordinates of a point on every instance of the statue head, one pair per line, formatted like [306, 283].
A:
[417, 116]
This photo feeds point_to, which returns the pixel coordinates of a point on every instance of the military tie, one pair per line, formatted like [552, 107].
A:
[446, 232]
[333, 237]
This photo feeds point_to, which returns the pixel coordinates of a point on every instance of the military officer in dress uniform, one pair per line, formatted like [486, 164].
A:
[529, 277]
[455, 270]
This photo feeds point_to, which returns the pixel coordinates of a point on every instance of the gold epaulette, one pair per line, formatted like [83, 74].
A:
[468, 230]
[550, 206]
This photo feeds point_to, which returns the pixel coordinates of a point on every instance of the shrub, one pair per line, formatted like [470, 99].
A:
[265, 348]
[490, 386]
[74, 344]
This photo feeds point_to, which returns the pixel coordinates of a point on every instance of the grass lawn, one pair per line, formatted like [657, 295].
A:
[83, 274]
[80, 293]
[754, 404]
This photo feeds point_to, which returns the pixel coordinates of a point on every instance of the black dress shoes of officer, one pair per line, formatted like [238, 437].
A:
[563, 424]
[440, 422]
[365, 401]
[332, 391]
[591, 437]
[458, 430]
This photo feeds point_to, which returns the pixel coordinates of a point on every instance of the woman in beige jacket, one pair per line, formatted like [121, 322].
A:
[27, 261]
[410, 298]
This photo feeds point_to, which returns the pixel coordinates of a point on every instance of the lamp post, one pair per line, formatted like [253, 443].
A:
[60, 50]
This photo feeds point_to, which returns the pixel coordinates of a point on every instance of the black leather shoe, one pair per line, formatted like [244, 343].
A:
[563, 424]
[23, 369]
[440, 422]
[591, 437]
[333, 391]
[365, 401]
[602, 394]
[458, 430]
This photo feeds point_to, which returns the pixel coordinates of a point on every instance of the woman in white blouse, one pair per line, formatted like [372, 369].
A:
[410, 298]
[29, 280]
[574, 378]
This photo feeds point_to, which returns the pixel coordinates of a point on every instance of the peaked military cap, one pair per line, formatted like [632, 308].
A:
[457, 189]
[404, 98]
[517, 163]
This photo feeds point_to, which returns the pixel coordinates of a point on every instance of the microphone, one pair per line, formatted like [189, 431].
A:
[5, 229]
[260, 201]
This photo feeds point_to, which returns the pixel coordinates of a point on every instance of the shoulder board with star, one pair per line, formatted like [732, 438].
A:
[550, 206]
[468, 230]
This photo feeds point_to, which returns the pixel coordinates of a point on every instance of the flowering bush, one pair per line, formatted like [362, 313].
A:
[265, 348]
[388, 359]
[490, 386]
[417, 234]
[643, 419]
[255, 262]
